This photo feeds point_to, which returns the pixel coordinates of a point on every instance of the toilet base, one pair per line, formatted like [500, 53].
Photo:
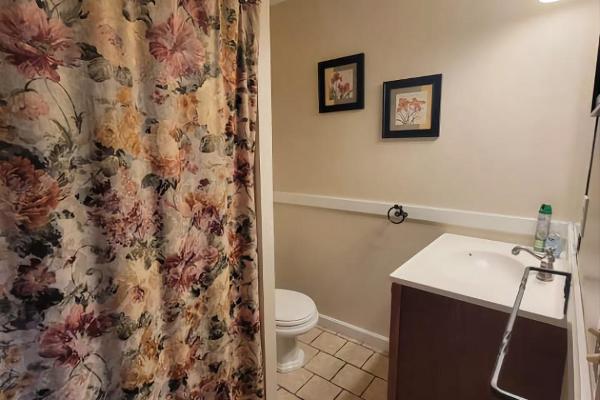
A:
[290, 356]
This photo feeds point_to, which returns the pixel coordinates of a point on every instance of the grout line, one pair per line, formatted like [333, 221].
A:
[363, 363]
[367, 387]
[373, 378]
[344, 363]
[285, 390]
[316, 337]
[337, 372]
[361, 343]
[304, 384]
[338, 386]
[329, 381]
[371, 356]
[372, 373]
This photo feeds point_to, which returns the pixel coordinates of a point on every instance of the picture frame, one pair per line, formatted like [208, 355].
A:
[411, 107]
[342, 84]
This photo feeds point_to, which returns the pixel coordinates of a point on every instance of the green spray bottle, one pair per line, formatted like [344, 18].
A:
[543, 227]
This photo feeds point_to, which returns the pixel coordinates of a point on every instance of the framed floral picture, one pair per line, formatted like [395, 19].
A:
[411, 107]
[341, 84]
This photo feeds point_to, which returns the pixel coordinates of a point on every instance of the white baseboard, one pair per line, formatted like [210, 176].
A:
[374, 340]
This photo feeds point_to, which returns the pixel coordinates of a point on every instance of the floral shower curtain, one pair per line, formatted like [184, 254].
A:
[128, 265]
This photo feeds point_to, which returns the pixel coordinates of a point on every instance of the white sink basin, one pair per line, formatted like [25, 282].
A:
[484, 272]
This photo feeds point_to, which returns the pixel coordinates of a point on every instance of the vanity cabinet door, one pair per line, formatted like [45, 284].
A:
[441, 348]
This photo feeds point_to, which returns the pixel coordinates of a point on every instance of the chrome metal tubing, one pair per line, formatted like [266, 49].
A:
[503, 352]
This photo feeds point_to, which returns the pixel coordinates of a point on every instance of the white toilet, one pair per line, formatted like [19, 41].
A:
[295, 314]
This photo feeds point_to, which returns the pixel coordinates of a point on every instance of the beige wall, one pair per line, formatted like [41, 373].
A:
[515, 102]
[516, 94]
[342, 260]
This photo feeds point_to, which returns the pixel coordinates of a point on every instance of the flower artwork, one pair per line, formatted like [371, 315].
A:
[411, 107]
[341, 84]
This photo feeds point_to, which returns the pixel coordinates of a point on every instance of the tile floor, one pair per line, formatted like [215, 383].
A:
[336, 367]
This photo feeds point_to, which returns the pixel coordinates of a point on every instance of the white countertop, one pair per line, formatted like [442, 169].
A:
[484, 272]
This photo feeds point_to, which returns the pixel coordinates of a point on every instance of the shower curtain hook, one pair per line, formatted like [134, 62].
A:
[396, 211]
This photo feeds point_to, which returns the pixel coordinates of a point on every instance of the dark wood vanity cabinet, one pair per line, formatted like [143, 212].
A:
[442, 348]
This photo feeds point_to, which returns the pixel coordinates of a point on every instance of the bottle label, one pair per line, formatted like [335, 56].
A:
[538, 245]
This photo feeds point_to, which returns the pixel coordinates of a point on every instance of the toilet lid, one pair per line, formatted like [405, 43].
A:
[293, 308]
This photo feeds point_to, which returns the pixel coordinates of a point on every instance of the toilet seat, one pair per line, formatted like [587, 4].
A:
[293, 309]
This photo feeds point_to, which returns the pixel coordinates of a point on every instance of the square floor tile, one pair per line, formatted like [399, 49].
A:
[352, 379]
[324, 365]
[347, 396]
[309, 352]
[283, 394]
[377, 365]
[310, 335]
[354, 354]
[328, 342]
[318, 388]
[292, 381]
[377, 390]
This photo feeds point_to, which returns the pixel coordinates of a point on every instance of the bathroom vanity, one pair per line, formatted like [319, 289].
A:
[450, 306]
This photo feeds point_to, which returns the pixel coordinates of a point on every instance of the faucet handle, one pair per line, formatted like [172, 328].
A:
[549, 255]
[548, 261]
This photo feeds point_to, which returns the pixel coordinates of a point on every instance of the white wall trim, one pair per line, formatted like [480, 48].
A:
[583, 375]
[264, 193]
[374, 340]
[470, 219]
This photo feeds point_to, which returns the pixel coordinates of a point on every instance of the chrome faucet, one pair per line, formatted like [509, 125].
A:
[546, 262]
